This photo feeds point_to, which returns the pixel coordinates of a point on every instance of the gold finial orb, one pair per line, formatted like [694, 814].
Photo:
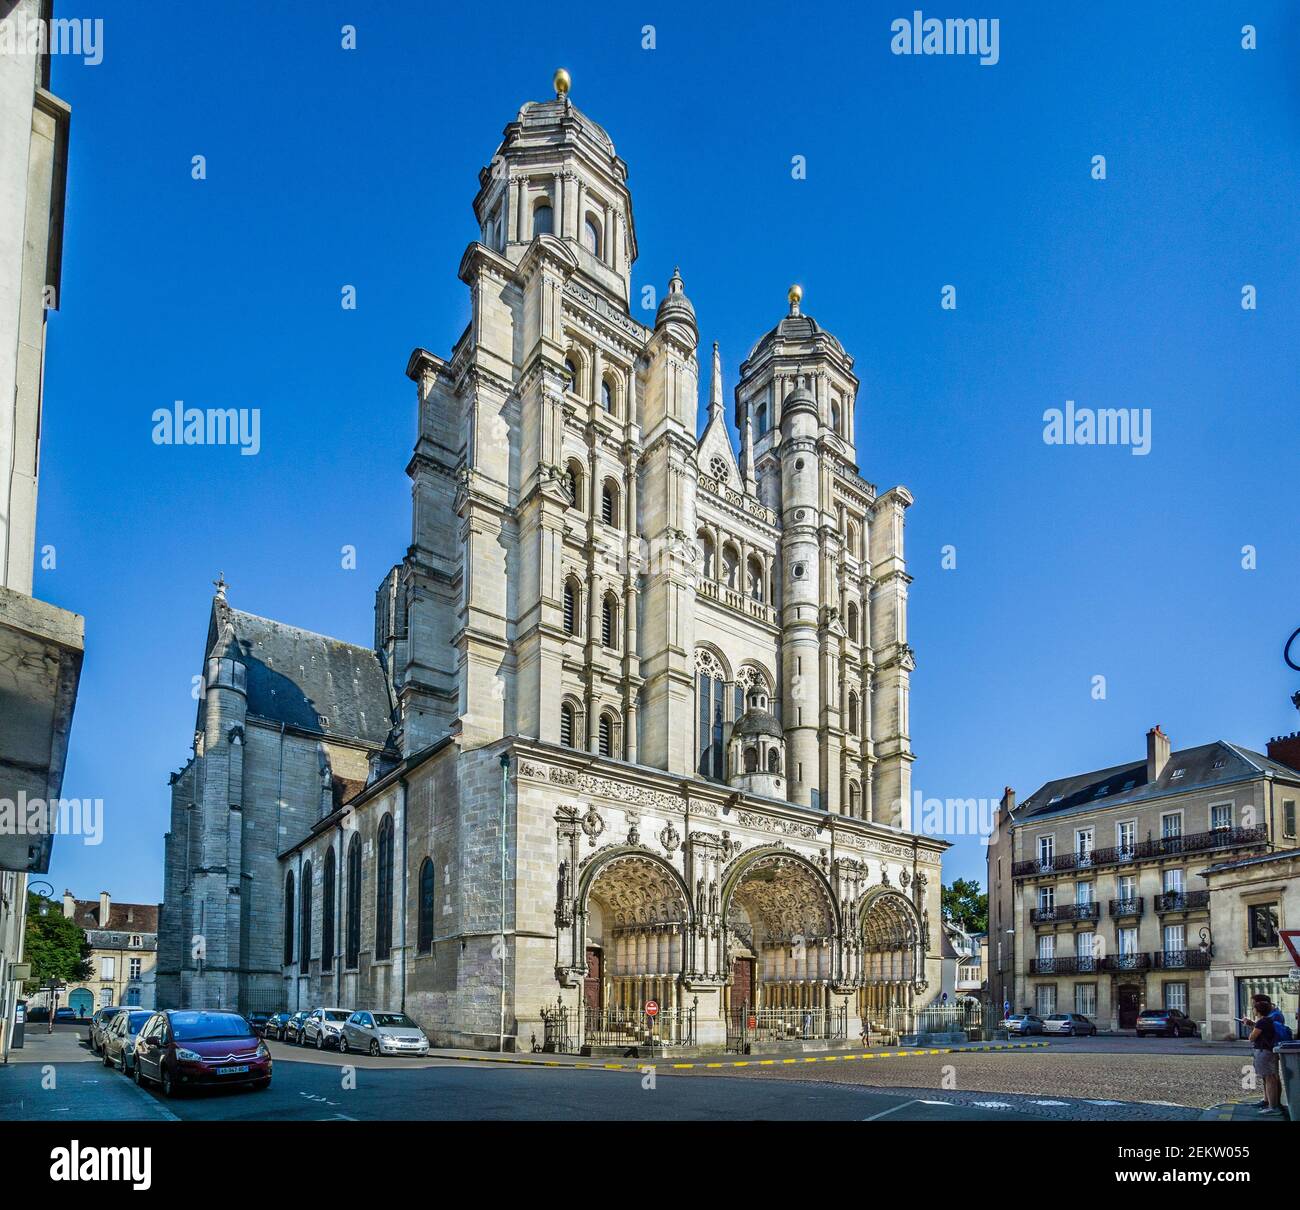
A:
[796, 295]
[562, 82]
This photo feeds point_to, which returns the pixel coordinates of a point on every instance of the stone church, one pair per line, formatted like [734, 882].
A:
[634, 726]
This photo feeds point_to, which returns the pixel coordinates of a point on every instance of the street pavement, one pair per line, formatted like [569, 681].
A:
[57, 1078]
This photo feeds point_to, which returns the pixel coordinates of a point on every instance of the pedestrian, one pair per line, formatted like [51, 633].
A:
[1263, 1037]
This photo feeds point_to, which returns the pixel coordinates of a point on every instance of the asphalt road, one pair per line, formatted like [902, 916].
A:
[59, 1079]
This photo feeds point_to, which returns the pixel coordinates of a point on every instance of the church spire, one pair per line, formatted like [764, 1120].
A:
[715, 386]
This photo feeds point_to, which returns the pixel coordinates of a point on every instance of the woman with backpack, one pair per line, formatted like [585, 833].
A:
[1264, 1035]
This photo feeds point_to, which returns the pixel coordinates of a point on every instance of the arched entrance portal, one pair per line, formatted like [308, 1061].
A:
[781, 927]
[891, 943]
[635, 930]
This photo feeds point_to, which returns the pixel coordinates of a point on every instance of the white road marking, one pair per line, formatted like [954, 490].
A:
[886, 1112]
[1103, 1102]
[992, 1105]
[1050, 1102]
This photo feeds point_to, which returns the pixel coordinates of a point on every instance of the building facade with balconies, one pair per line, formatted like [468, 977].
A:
[1097, 903]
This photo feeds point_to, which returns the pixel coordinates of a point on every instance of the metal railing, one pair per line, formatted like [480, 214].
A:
[750, 1028]
[568, 1030]
[1126, 962]
[1127, 907]
[1065, 912]
[1192, 960]
[1164, 846]
[1182, 901]
[1073, 965]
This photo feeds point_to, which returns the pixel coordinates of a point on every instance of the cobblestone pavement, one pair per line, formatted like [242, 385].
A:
[1194, 1081]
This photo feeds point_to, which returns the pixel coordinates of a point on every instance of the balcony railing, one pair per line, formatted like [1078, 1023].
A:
[1065, 912]
[1195, 960]
[1127, 907]
[1064, 966]
[1183, 901]
[1165, 846]
[1126, 962]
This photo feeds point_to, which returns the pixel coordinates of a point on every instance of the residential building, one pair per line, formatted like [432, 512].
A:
[1098, 903]
[635, 722]
[40, 645]
[124, 947]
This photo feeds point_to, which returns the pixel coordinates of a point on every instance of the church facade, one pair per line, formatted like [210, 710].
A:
[634, 726]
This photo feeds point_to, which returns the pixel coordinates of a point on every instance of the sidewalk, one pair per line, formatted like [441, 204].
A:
[1239, 1111]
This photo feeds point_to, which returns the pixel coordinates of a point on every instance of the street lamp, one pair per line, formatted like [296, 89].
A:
[1207, 942]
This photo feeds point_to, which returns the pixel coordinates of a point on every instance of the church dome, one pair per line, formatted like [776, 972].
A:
[675, 304]
[795, 329]
[756, 721]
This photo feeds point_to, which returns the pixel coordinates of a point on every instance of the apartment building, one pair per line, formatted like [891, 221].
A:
[1097, 900]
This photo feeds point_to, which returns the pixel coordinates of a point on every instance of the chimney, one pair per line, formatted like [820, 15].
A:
[103, 909]
[69, 905]
[1157, 753]
[1285, 749]
[1008, 803]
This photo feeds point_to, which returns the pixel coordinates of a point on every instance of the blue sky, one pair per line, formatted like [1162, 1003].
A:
[328, 168]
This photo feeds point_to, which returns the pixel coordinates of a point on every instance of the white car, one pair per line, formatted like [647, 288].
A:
[376, 1033]
[324, 1027]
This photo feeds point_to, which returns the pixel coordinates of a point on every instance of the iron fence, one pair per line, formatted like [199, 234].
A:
[748, 1027]
[576, 1030]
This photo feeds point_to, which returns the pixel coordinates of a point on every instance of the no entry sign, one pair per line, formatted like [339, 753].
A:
[1291, 939]
[652, 1008]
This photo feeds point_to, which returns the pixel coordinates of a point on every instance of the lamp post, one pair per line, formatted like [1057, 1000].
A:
[44, 910]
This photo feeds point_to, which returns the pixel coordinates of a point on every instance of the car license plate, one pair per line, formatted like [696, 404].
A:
[232, 1071]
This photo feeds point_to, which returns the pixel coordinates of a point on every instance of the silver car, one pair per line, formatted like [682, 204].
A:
[324, 1027]
[375, 1033]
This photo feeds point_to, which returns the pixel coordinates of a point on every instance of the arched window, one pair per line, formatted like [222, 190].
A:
[755, 578]
[352, 948]
[609, 621]
[835, 416]
[710, 694]
[760, 420]
[384, 891]
[304, 923]
[571, 600]
[606, 735]
[855, 800]
[591, 234]
[607, 395]
[609, 503]
[773, 760]
[566, 724]
[573, 482]
[751, 760]
[543, 219]
[730, 566]
[853, 713]
[288, 919]
[708, 554]
[327, 912]
[571, 373]
[853, 621]
[424, 927]
[852, 540]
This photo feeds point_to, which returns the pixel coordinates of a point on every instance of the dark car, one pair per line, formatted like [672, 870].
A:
[183, 1048]
[293, 1027]
[118, 1046]
[1167, 1022]
[99, 1024]
[64, 1015]
[275, 1023]
[258, 1022]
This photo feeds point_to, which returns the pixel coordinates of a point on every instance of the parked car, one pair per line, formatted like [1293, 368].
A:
[292, 1030]
[383, 1033]
[65, 1015]
[1075, 1025]
[187, 1048]
[1167, 1022]
[118, 1046]
[99, 1023]
[324, 1027]
[1023, 1023]
[258, 1022]
[275, 1023]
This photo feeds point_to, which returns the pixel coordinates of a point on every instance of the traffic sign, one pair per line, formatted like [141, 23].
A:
[1293, 975]
[652, 1008]
[752, 1023]
[1291, 939]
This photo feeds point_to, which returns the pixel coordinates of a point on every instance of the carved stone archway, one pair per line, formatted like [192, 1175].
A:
[892, 956]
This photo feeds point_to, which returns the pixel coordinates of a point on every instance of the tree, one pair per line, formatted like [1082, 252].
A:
[966, 906]
[56, 947]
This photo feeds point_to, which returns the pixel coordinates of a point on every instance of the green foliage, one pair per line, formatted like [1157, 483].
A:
[55, 946]
[966, 906]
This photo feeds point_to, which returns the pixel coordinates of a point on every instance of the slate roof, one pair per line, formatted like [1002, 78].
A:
[306, 680]
[792, 329]
[1257, 859]
[1127, 784]
[122, 917]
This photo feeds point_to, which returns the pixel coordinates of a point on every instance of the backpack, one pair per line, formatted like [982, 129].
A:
[1281, 1030]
